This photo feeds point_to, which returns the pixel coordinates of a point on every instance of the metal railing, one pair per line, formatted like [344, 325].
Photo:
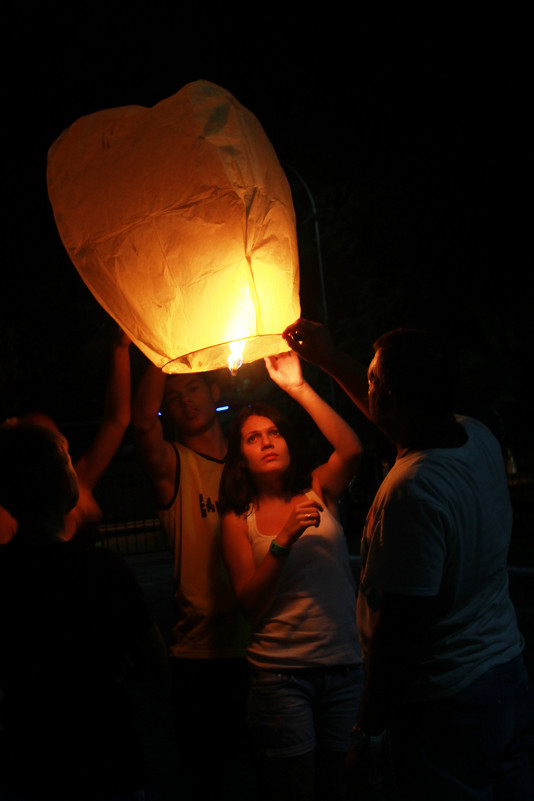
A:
[130, 523]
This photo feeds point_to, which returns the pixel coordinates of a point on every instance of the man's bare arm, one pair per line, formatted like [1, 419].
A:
[313, 343]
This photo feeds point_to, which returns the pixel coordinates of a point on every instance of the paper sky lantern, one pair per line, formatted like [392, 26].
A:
[180, 221]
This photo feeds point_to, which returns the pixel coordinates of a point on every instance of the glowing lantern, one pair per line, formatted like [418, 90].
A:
[180, 221]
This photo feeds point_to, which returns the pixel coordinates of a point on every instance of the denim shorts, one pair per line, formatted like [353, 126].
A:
[292, 712]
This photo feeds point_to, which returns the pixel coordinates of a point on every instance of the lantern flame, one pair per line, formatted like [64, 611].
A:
[235, 359]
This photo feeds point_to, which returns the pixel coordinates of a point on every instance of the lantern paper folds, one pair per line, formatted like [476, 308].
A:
[180, 221]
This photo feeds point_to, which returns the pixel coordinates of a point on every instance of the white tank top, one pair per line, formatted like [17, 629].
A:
[312, 621]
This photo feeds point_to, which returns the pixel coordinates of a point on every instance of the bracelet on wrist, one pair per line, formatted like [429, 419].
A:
[279, 550]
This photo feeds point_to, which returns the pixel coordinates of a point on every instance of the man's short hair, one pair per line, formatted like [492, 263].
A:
[418, 370]
[207, 377]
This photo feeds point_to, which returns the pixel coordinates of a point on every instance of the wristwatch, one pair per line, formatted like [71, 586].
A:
[279, 550]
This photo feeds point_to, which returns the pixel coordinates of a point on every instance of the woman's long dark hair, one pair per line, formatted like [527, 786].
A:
[237, 489]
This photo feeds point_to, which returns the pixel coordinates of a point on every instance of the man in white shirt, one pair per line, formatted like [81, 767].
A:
[443, 653]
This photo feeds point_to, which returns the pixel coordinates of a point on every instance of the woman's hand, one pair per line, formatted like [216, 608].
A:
[256, 586]
[285, 371]
[303, 515]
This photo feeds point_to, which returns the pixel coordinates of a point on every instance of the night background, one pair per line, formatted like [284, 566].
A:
[410, 130]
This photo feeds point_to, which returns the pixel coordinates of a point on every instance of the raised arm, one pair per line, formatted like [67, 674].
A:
[334, 476]
[313, 343]
[115, 420]
[156, 452]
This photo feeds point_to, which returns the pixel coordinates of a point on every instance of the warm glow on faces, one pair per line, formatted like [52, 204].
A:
[190, 402]
[373, 382]
[375, 389]
[382, 406]
[263, 448]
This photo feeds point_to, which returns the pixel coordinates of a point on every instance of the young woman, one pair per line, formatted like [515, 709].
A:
[287, 557]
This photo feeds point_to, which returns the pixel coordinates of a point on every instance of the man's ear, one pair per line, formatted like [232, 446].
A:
[388, 404]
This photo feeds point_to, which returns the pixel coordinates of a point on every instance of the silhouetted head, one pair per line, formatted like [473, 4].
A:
[38, 485]
[411, 375]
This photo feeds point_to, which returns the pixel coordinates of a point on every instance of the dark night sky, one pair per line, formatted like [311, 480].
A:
[411, 130]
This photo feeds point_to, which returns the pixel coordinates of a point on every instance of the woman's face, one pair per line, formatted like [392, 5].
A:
[263, 448]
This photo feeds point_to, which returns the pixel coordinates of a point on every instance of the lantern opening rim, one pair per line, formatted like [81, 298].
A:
[215, 357]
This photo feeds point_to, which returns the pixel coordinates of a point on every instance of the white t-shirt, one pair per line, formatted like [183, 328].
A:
[440, 525]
